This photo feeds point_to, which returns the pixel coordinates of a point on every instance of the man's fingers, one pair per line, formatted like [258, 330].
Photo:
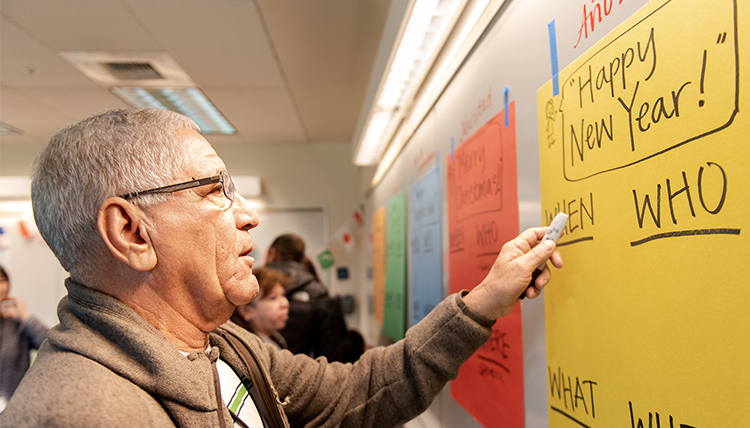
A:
[538, 284]
[541, 252]
[533, 235]
[556, 259]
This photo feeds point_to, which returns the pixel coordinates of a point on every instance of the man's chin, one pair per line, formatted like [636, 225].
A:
[244, 292]
[245, 297]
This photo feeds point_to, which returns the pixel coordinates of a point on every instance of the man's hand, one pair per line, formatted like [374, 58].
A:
[498, 293]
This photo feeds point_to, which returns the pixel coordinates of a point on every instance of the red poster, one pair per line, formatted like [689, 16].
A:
[482, 216]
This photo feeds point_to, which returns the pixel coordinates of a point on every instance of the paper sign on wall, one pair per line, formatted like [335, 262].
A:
[425, 251]
[394, 322]
[482, 216]
[646, 150]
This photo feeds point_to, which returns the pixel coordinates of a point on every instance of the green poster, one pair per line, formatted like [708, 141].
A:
[394, 323]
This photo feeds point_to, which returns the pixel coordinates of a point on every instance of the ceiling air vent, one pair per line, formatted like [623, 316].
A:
[144, 69]
[132, 70]
[151, 79]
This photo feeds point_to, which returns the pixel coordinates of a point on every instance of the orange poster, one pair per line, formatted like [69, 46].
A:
[378, 265]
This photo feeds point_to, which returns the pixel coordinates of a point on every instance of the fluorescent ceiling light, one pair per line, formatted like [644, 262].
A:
[468, 32]
[189, 101]
[427, 27]
[371, 147]
[6, 129]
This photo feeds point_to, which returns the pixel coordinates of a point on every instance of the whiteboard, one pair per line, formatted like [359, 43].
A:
[515, 53]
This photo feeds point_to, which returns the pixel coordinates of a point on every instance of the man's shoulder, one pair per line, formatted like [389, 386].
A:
[70, 372]
[73, 390]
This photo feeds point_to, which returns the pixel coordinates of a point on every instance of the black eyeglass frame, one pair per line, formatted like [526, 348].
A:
[227, 186]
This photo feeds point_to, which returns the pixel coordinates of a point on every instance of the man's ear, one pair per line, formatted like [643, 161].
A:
[122, 226]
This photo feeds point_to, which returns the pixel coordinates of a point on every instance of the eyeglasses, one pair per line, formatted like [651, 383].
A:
[227, 186]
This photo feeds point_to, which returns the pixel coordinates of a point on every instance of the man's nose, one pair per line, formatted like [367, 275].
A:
[244, 213]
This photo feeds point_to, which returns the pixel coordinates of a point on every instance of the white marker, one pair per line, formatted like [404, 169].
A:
[554, 231]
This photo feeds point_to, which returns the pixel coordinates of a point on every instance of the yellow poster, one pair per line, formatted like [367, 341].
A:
[378, 264]
[645, 147]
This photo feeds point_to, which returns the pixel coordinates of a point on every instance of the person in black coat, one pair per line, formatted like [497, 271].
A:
[316, 324]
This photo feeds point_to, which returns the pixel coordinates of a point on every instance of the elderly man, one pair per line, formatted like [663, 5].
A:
[141, 212]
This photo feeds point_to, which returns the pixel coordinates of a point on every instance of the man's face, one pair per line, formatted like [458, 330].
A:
[202, 242]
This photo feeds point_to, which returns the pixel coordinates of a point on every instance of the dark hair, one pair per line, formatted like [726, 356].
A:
[289, 247]
[4, 274]
[268, 278]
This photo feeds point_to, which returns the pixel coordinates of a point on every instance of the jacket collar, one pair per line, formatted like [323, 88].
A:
[103, 329]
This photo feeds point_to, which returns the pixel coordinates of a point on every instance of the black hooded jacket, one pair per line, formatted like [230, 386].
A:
[316, 325]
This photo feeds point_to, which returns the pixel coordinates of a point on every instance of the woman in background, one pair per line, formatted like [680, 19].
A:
[19, 332]
[267, 313]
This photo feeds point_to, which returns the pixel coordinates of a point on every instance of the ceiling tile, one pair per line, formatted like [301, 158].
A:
[219, 43]
[19, 51]
[80, 24]
[78, 104]
[225, 139]
[304, 84]
[32, 117]
[318, 40]
[327, 53]
[259, 115]
[19, 139]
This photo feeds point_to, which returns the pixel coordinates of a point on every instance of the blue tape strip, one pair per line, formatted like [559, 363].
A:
[452, 148]
[553, 54]
[505, 94]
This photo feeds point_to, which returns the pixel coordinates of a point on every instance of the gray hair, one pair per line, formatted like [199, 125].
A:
[109, 154]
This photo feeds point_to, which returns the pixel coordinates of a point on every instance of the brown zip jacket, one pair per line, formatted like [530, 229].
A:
[104, 365]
